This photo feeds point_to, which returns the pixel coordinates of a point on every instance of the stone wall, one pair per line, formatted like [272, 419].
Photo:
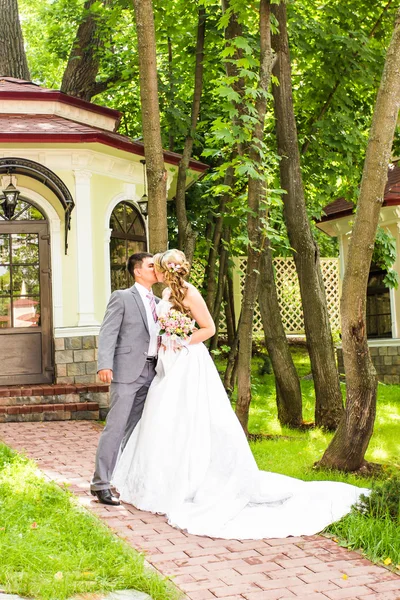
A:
[76, 359]
[386, 361]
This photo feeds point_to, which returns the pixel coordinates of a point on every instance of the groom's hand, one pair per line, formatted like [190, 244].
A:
[105, 375]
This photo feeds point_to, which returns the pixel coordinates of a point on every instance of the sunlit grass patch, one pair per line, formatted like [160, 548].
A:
[294, 453]
[51, 549]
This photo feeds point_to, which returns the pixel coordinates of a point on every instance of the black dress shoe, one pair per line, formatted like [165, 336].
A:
[105, 497]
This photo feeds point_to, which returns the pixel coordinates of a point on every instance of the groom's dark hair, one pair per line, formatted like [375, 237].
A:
[136, 260]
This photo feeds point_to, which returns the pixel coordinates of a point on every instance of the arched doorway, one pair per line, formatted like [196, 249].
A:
[128, 235]
[25, 297]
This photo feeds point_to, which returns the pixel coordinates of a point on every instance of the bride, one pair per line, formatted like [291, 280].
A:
[188, 457]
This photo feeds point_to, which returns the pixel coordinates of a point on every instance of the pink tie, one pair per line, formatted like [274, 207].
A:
[152, 306]
[154, 313]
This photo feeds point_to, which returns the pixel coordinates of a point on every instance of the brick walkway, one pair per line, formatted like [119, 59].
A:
[312, 568]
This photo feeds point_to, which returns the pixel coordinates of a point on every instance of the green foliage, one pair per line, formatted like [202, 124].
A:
[384, 500]
[384, 256]
[378, 539]
[294, 453]
[337, 55]
[51, 549]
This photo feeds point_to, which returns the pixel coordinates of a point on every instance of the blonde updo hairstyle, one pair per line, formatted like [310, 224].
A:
[175, 267]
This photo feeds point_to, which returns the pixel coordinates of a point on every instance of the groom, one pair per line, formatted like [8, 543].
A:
[127, 360]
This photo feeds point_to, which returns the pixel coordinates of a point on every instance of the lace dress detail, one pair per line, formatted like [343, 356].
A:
[188, 458]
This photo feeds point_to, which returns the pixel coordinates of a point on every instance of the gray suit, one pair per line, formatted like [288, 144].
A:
[123, 343]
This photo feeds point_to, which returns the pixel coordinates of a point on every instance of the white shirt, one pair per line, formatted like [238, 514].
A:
[154, 327]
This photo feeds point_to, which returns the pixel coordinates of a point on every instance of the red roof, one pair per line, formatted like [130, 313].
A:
[29, 128]
[54, 129]
[342, 207]
[19, 89]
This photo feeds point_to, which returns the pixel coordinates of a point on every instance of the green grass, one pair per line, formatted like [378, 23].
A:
[50, 548]
[294, 453]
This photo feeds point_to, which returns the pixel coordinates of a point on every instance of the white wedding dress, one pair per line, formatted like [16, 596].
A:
[188, 458]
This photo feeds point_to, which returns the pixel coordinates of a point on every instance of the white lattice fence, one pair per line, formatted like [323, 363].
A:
[288, 292]
[257, 323]
[196, 278]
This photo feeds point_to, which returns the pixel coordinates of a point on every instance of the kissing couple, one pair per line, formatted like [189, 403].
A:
[172, 443]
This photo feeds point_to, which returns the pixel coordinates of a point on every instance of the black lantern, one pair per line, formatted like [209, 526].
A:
[10, 199]
[144, 200]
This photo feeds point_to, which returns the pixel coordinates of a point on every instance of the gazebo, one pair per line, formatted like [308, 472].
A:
[383, 303]
[70, 215]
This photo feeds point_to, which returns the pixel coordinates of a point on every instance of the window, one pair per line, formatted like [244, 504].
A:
[24, 211]
[128, 236]
[19, 268]
[379, 322]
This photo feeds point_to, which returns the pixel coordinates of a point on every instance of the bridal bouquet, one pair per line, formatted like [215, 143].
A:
[176, 326]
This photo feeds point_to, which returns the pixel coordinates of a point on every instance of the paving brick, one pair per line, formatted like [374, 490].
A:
[201, 595]
[261, 567]
[337, 565]
[270, 595]
[381, 596]
[193, 552]
[357, 580]
[311, 588]
[298, 562]
[278, 584]
[345, 594]
[312, 596]
[231, 590]
[327, 575]
[204, 568]
[386, 586]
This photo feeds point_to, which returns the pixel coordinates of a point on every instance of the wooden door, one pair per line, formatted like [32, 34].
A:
[26, 355]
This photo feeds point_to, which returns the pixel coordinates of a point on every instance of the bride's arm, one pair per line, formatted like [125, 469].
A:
[200, 313]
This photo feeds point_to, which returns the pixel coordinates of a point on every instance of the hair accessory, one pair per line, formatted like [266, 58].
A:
[173, 268]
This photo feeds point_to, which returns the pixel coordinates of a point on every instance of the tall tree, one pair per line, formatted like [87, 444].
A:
[256, 198]
[287, 384]
[349, 444]
[13, 61]
[329, 404]
[186, 234]
[156, 174]
[80, 74]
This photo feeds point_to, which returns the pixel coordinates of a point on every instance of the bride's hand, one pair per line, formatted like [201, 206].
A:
[175, 345]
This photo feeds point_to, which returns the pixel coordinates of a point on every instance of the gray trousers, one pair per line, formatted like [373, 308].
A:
[126, 407]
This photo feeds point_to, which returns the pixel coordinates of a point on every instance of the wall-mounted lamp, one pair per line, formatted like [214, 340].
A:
[143, 203]
[10, 199]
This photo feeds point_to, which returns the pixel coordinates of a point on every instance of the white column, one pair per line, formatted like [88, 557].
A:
[107, 268]
[84, 248]
[56, 270]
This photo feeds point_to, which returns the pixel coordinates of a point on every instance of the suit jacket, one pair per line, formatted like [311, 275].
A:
[124, 336]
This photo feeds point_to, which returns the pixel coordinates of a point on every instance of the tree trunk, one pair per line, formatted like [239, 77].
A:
[13, 61]
[171, 139]
[222, 273]
[347, 449]
[288, 398]
[231, 365]
[229, 309]
[256, 194]
[155, 170]
[211, 269]
[79, 77]
[329, 403]
[186, 235]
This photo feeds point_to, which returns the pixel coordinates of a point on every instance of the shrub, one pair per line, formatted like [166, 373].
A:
[384, 500]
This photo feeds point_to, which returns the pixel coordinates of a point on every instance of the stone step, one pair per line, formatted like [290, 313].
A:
[53, 402]
[50, 412]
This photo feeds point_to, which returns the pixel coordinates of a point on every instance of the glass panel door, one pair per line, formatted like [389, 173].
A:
[19, 280]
